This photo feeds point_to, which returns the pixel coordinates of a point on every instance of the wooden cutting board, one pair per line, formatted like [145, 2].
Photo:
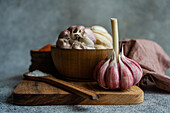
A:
[31, 93]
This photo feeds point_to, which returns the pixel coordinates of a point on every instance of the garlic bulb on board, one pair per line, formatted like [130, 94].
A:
[123, 75]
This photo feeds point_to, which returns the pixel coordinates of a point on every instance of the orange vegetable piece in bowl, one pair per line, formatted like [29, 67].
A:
[46, 48]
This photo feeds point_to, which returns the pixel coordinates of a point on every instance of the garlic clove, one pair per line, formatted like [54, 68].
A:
[80, 29]
[98, 66]
[106, 35]
[101, 40]
[133, 66]
[88, 42]
[63, 43]
[126, 77]
[72, 28]
[98, 28]
[101, 74]
[99, 46]
[87, 47]
[77, 45]
[64, 34]
[89, 33]
[112, 75]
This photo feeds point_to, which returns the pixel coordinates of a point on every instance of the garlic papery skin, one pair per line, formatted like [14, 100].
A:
[101, 74]
[126, 77]
[89, 33]
[77, 45]
[63, 43]
[64, 34]
[87, 41]
[98, 66]
[133, 66]
[112, 75]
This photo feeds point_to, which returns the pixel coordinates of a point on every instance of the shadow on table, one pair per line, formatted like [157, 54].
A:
[151, 88]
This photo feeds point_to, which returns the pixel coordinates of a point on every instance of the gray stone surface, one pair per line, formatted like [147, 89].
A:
[30, 24]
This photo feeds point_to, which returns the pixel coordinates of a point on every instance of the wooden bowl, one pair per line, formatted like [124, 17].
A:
[42, 60]
[77, 64]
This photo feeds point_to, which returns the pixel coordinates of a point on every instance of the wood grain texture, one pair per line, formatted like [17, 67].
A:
[73, 88]
[78, 63]
[38, 93]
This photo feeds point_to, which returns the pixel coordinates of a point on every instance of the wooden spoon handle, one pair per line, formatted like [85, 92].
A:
[67, 86]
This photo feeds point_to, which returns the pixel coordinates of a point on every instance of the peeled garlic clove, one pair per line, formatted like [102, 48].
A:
[101, 40]
[126, 77]
[101, 74]
[64, 34]
[63, 43]
[98, 28]
[98, 66]
[112, 75]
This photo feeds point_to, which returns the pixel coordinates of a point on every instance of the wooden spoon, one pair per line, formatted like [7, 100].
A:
[64, 85]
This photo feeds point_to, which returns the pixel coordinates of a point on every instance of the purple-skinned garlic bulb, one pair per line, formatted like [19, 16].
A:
[112, 75]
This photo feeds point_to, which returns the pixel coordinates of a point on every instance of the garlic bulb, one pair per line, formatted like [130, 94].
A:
[76, 37]
[80, 37]
[123, 75]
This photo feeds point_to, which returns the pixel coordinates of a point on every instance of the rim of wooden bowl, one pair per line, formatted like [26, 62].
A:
[54, 46]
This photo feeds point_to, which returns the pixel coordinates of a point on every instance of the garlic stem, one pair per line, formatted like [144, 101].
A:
[122, 51]
[114, 55]
[115, 36]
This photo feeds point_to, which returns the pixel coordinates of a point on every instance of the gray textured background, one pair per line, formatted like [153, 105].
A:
[30, 24]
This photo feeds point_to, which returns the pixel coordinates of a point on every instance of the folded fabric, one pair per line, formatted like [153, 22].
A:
[152, 58]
